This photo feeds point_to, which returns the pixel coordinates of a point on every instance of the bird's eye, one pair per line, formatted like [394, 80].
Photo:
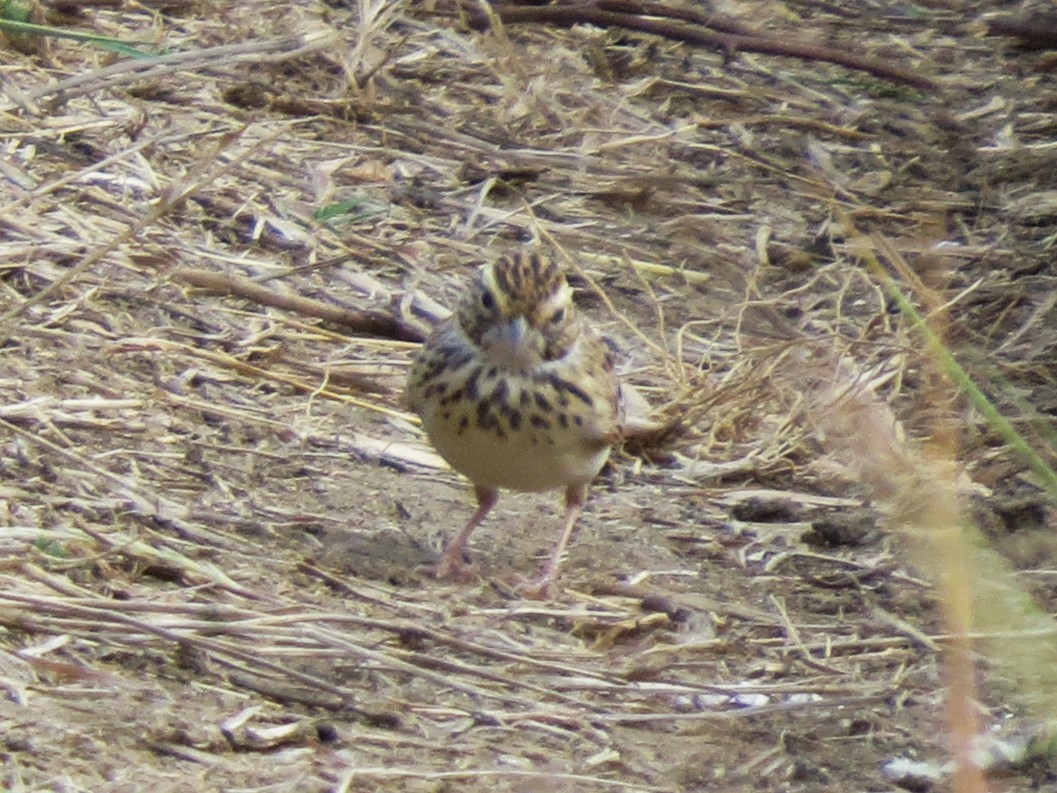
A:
[487, 300]
[558, 317]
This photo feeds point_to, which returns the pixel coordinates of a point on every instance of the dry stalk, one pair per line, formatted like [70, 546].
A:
[225, 55]
[920, 493]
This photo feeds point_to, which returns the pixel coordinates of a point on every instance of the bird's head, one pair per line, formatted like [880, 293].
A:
[519, 311]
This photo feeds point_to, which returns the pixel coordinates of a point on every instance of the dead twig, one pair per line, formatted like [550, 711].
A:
[365, 323]
[686, 25]
[1037, 30]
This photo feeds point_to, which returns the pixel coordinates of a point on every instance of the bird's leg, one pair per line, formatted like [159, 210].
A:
[543, 585]
[453, 563]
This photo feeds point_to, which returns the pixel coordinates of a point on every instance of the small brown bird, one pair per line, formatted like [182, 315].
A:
[517, 391]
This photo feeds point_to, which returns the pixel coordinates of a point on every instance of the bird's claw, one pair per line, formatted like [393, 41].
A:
[542, 587]
[454, 567]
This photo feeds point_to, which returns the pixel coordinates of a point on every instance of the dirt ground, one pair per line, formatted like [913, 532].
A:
[218, 517]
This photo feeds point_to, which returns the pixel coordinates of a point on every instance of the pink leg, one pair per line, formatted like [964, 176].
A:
[544, 584]
[452, 563]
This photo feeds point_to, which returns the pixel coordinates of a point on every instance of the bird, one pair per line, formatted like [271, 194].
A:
[518, 391]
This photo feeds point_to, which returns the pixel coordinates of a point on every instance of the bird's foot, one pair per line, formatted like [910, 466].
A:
[542, 587]
[455, 567]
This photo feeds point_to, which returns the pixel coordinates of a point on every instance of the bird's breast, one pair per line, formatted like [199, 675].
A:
[516, 431]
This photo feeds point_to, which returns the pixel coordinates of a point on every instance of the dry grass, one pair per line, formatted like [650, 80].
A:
[216, 511]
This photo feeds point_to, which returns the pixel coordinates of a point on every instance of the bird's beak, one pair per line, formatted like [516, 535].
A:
[514, 332]
[510, 345]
